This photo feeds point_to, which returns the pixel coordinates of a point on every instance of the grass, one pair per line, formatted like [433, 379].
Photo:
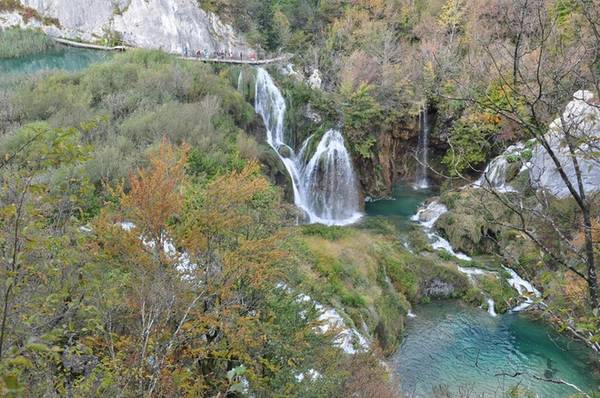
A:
[16, 43]
[326, 232]
[369, 276]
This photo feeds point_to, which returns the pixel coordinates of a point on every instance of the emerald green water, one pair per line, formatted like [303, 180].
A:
[64, 58]
[449, 343]
[404, 203]
[464, 348]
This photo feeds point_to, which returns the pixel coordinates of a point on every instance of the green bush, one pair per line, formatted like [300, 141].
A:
[326, 232]
[15, 42]
[470, 138]
[134, 100]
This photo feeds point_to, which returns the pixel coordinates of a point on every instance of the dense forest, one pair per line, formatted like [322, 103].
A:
[154, 236]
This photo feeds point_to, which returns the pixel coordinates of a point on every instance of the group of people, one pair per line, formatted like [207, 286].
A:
[204, 53]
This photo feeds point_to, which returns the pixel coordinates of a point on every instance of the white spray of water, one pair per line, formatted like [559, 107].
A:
[491, 309]
[525, 289]
[427, 216]
[240, 82]
[423, 150]
[325, 188]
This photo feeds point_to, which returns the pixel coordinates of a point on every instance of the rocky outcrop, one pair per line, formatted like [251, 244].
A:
[170, 25]
[581, 122]
[393, 158]
[438, 288]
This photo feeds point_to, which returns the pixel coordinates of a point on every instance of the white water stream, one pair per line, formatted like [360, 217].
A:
[427, 216]
[325, 187]
[423, 150]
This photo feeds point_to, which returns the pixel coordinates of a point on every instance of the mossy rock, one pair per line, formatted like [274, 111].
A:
[391, 309]
[471, 224]
[496, 287]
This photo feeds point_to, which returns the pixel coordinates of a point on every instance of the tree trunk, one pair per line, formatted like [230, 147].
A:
[591, 265]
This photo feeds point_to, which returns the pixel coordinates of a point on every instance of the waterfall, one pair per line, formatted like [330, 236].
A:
[423, 150]
[328, 182]
[325, 187]
[240, 82]
[491, 310]
[427, 217]
[495, 173]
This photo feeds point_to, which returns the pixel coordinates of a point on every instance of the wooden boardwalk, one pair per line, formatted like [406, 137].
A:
[77, 44]
[278, 59]
[281, 58]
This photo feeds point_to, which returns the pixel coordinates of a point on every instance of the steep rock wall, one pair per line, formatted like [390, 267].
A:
[171, 25]
[394, 157]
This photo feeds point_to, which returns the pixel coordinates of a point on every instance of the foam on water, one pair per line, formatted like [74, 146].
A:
[325, 187]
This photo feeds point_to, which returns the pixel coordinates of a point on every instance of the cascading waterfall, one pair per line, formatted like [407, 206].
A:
[427, 217]
[495, 173]
[240, 82]
[423, 150]
[325, 187]
[328, 182]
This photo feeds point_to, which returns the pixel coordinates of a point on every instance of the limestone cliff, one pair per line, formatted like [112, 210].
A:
[171, 25]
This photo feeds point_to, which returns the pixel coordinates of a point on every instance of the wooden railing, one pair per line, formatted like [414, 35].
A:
[249, 61]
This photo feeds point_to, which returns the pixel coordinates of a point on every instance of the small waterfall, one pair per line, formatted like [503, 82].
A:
[325, 188]
[525, 289]
[495, 173]
[328, 182]
[423, 150]
[427, 217]
[491, 310]
[240, 82]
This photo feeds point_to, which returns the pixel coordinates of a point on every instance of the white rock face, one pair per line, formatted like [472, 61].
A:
[171, 25]
[315, 79]
[581, 119]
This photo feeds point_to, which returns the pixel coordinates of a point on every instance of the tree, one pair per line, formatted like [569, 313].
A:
[538, 74]
[40, 261]
[155, 193]
[451, 17]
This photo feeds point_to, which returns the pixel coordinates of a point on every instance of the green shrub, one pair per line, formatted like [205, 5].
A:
[326, 232]
[499, 290]
[470, 139]
[57, 95]
[15, 43]
[352, 299]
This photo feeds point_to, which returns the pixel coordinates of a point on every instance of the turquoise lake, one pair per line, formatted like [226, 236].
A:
[450, 343]
[63, 58]
[403, 204]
